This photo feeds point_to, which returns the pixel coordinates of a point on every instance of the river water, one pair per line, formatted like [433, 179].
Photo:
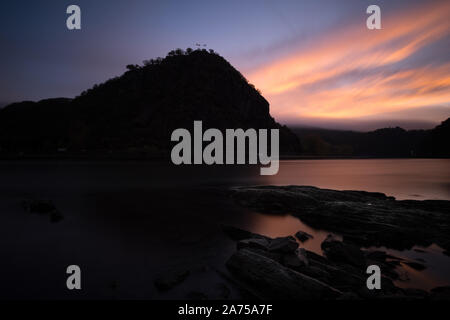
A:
[126, 222]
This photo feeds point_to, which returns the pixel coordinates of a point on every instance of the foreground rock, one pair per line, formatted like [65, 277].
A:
[339, 251]
[289, 272]
[268, 279]
[170, 279]
[283, 245]
[240, 234]
[42, 207]
[363, 218]
[303, 236]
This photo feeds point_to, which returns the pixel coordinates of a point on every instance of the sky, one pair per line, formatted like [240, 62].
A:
[314, 61]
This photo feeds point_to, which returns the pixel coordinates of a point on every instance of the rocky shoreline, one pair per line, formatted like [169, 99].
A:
[277, 268]
[364, 218]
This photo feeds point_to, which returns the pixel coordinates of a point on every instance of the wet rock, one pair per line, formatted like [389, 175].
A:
[43, 207]
[365, 218]
[312, 256]
[291, 261]
[283, 244]
[317, 272]
[267, 279]
[276, 256]
[345, 277]
[301, 254]
[273, 200]
[236, 234]
[415, 265]
[394, 258]
[403, 275]
[379, 256]
[38, 206]
[295, 260]
[341, 252]
[389, 269]
[254, 243]
[388, 264]
[343, 268]
[303, 236]
[170, 279]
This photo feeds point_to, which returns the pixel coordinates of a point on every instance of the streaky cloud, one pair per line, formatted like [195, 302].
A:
[353, 72]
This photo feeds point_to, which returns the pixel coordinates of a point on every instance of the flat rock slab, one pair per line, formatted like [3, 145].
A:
[364, 218]
[283, 245]
[302, 274]
[268, 279]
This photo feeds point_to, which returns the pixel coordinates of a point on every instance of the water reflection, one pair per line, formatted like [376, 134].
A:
[286, 225]
[437, 264]
[436, 272]
[402, 178]
[125, 221]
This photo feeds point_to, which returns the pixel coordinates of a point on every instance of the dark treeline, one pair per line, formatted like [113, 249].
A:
[135, 114]
[387, 142]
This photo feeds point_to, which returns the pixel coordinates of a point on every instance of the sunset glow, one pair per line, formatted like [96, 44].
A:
[316, 62]
[354, 72]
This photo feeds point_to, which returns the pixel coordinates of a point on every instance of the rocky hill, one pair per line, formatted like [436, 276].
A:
[137, 112]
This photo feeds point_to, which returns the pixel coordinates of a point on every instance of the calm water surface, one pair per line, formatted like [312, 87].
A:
[402, 178]
[126, 222]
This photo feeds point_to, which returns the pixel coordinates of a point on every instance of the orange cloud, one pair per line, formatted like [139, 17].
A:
[355, 72]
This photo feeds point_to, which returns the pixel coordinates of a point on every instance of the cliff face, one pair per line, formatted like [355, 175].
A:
[141, 108]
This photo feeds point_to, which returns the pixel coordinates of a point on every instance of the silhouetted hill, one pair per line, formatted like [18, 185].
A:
[387, 142]
[34, 126]
[138, 111]
[437, 142]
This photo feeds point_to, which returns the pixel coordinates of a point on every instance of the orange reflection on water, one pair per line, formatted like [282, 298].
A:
[285, 225]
